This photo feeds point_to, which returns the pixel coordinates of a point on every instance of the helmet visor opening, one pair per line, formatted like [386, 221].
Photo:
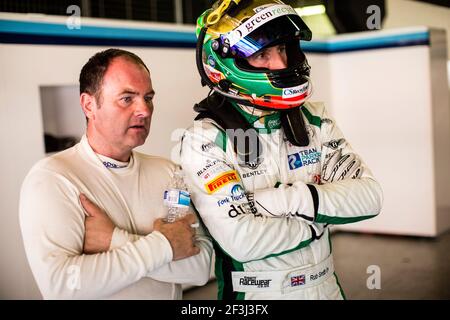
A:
[295, 57]
[279, 30]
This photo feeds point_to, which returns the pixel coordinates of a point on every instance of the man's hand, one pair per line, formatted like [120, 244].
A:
[339, 167]
[180, 235]
[98, 228]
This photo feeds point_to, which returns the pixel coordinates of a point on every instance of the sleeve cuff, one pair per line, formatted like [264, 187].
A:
[302, 201]
[167, 247]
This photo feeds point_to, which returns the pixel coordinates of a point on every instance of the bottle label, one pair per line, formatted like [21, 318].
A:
[176, 198]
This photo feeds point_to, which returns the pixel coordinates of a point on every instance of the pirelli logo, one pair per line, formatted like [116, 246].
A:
[221, 181]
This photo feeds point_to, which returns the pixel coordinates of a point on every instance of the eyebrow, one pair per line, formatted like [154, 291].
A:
[128, 91]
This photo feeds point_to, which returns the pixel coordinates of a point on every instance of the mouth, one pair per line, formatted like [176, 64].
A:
[138, 127]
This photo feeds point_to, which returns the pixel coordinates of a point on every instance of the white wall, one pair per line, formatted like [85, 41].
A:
[393, 106]
[406, 13]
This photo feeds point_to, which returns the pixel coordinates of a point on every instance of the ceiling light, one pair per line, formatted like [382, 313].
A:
[311, 10]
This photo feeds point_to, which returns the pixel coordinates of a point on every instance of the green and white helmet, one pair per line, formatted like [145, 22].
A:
[233, 30]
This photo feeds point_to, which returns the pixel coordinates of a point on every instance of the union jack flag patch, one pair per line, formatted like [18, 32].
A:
[297, 280]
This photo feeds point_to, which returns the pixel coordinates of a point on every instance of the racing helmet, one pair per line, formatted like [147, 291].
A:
[231, 31]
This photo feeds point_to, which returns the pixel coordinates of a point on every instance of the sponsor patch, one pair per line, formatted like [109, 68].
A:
[237, 194]
[206, 147]
[111, 165]
[334, 144]
[211, 61]
[298, 280]
[311, 132]
[212, 168]
[252, 281]
[213, 74]
[295, 91]
[253, 173]
[251, 165]
[261, 17]
[303, 158]
[243, 208]
[326, 120]
[273, 123]
[222, 180]
[237, 191]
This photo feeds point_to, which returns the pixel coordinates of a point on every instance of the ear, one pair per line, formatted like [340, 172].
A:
[88, 104]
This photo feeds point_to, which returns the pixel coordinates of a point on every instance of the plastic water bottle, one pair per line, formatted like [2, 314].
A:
[176, 197]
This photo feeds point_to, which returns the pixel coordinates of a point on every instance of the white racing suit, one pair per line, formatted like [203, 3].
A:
[269, 220]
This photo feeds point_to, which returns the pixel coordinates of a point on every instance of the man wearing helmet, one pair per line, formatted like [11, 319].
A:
[268, 171]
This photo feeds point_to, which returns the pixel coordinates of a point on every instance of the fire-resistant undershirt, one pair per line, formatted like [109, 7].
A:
[138, 264]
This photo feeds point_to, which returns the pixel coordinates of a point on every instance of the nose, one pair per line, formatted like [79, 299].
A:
[143, 109]
[277, 61]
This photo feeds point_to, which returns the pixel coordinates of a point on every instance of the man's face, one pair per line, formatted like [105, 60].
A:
[272, 58]
[122, 117]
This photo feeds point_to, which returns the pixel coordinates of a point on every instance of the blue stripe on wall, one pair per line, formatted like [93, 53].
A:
[61, 30]
[58, 34]
[385, 41]
[79, 41]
